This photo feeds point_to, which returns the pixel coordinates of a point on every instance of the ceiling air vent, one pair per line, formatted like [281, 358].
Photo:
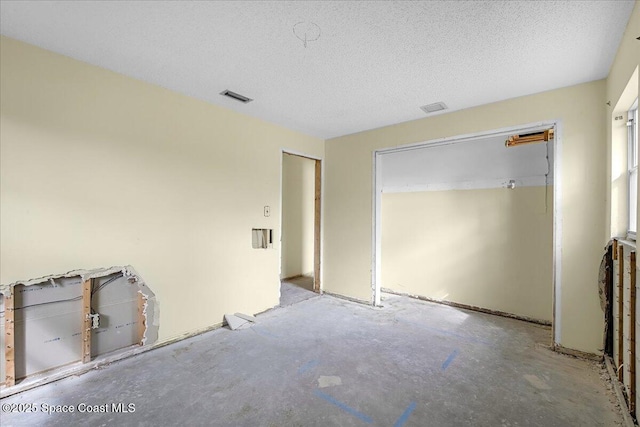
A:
[236, 96]
[432, 108]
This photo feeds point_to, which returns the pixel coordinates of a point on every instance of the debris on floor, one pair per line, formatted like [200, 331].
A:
[329, 381]
[247, 317]
[239, 321]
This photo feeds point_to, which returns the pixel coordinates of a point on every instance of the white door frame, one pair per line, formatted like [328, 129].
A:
[376, 256]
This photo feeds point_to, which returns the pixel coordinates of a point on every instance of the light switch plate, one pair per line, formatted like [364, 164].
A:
[267, 211]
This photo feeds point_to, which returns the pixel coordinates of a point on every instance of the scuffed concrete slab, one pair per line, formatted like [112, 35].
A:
[389, 361]
[537, 382]
[293, 291]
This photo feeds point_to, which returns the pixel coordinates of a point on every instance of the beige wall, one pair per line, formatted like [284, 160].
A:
[298, 209]
[626, 60]
[580, 109]
[490, 248]
[98, 169]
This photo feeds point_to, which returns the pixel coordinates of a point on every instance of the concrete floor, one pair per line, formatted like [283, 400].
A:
[330, 362]
[298, 289]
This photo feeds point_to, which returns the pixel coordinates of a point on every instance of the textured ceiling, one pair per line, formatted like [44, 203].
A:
[373, 64]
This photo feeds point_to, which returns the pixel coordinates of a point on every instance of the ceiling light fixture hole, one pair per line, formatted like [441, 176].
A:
[306, 32]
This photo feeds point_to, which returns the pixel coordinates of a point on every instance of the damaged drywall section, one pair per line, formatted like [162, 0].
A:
[150, 314]
[74, 317]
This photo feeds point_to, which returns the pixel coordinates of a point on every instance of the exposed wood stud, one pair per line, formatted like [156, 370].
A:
[620, 310]
[542, 136]
[9, 339]
[142, 321]
[632, 334]
[609, 319]
[316, 231]
[86, 328]
[615, 249]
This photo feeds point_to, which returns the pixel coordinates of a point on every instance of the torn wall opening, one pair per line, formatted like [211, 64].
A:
[59, 320]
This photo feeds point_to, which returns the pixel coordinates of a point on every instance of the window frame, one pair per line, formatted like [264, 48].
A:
[632, 169]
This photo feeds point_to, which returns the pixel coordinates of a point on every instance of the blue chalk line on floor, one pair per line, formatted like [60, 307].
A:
[447, 362]
[307, 366]
[264, 332]
[344, 407]
[405, 415]
[467, 338]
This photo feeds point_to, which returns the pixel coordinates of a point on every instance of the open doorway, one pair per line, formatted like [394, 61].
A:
[470, 222]
[300, 236]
